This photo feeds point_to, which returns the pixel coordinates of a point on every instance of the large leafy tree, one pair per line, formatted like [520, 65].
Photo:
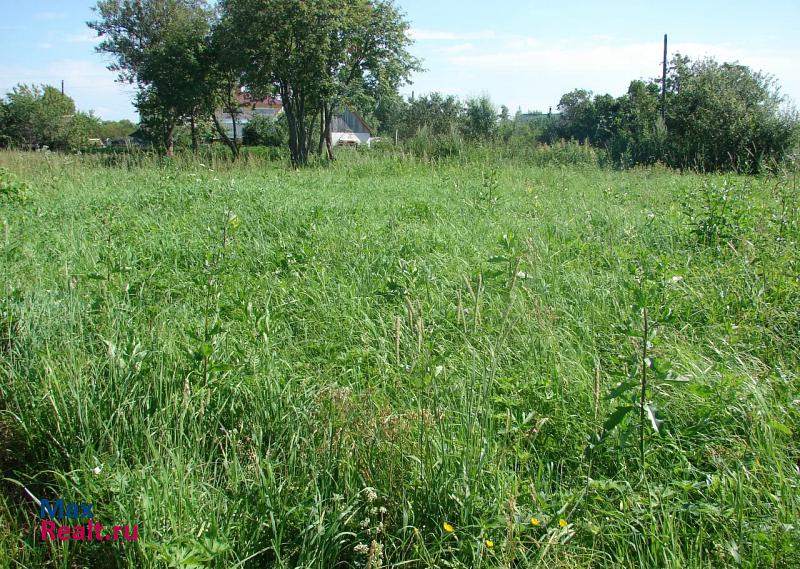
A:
[368, 61]
[436, 113]
[160, 46]
[318, 56]
[718, 116]
[34, 116]
[480, 118]
[724, 115]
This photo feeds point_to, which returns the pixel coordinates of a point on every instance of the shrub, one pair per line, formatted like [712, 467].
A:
[266, 131]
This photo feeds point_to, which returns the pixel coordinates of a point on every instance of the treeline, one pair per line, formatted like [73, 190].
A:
[713, 116]
[34, 117]
[710, 116]
[188, 59]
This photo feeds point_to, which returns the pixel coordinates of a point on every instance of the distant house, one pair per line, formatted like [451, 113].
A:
[347, 127]
[249, 107]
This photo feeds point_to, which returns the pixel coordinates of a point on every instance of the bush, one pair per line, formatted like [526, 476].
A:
[718, 117]
[266, 131]
[425, 144]
[11, 189]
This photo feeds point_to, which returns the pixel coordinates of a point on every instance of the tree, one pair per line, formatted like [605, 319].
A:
[480, 119]
[388, 113]
[316, 56]
[224, 78]
[718, 116]
[36, 116]
[160, 46]
[368, 61]
[266, 131]
[439, 114]
[504, 114]
[724, 116]
[577, 119]
[114, 129]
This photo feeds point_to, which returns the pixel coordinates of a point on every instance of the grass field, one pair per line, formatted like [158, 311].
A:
[390, 362]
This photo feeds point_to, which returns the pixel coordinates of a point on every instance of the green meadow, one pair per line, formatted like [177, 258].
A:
[472, 362]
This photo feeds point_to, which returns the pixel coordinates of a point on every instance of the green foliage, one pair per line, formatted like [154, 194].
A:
[718, 117]
[266, 131]
[440, 115]
[718, 213]
[318, 56]
[160, 45]
[12, 189]
[725, 116]
[37, 116]
[323, 368]
[480, 119]
[113, 129]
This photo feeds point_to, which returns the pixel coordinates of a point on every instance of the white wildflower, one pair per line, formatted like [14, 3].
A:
[361, 549]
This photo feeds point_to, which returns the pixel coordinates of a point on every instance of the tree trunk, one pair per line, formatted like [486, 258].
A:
[169, 142]
[195, 137]
[328, 135]
[225, 138]
[235, 134]
[321, 129]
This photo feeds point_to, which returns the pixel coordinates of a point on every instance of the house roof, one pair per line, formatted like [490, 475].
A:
[245, 98]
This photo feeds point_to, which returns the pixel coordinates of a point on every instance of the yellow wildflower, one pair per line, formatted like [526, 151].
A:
[489, 543]
[562, 523]
[535, 521]
[448, 528]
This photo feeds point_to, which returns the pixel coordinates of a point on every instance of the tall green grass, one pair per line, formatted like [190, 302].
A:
[335, 367]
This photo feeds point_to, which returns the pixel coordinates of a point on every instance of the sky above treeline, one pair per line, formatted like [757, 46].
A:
[524, 55]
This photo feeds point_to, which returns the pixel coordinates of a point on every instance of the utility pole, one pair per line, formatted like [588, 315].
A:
[62, 86]
[664, 82]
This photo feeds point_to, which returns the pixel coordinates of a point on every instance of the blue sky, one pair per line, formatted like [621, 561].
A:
[522, 54]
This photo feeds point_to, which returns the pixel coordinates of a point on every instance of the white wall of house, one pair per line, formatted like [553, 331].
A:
[363, 137]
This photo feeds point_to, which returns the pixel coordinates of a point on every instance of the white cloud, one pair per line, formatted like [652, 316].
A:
[50, 16]
[532, 73]
[434, 35]
[458, 48]
[83, 37]
[45, 45]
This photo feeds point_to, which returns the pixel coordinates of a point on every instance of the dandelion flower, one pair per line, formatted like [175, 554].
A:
[489, 543]
[535, 521]
[448, 528]
[562, 523]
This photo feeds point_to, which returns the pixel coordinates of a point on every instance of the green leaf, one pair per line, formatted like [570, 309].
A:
[621, 388]
[616, 417]
[780, 428]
